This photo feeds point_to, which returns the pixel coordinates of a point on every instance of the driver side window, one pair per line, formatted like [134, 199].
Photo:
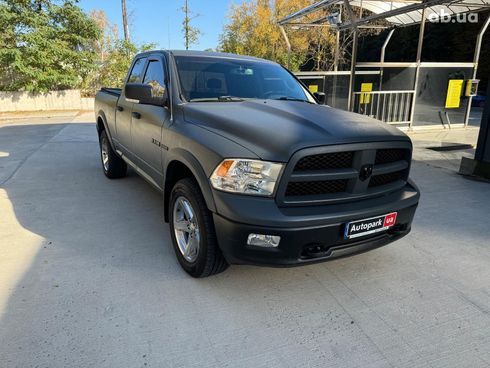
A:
[155, 77]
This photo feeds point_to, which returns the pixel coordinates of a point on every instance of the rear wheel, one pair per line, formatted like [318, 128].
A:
[192, 231]
[114, 166]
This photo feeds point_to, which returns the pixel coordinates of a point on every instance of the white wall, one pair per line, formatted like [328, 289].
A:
[56, 100]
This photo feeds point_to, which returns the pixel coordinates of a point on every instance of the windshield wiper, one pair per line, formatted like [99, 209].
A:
[229, 99]
[218, 99]
[285, 98]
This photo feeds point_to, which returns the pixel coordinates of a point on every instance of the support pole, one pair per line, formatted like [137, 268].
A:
[476, 58]
[352, 70]
[353, 56]
[125, 21]
[336, 62]
[288, 44]
[337, 51]
[382, 58]
[381, 70]
[417, 70]
[385, 44]
[336, 69]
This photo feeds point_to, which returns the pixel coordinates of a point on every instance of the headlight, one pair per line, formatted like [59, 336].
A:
[246, 176]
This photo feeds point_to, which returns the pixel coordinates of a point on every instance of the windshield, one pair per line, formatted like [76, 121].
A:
[227, 80]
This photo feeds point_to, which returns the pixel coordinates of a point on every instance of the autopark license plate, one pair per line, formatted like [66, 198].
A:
[369, 226]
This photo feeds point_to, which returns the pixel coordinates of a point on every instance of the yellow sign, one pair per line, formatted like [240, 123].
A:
[453, 98]
[366, 97]
[313, 88]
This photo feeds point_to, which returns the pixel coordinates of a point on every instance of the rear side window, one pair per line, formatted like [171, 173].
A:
[155, 77]
[137, 71]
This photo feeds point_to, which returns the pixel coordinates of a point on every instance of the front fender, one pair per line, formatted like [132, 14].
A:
[188, 159]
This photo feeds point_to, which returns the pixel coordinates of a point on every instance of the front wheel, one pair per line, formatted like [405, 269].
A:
[192, 231]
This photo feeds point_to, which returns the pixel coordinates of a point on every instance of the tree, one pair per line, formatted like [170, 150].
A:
[191, 34]
[46, 45]
[321, 48]
[113, 56]
[104, 45]
[253, 30]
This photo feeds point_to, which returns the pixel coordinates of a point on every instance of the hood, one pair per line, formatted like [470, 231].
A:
[274, 130]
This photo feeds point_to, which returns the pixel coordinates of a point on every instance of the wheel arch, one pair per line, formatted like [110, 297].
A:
[182, 164]
[101, 124]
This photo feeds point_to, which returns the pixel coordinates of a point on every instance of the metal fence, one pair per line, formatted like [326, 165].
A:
[393, 107]
[401, 93]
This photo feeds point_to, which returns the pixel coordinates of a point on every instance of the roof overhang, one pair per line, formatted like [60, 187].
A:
[396, 12]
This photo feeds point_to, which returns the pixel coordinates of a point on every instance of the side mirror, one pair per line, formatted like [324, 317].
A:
[146, 94]
[320, 97]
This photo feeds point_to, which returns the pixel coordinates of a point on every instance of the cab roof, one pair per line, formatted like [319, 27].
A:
[222, 55]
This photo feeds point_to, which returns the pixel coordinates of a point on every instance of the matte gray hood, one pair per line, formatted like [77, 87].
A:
[274, 130]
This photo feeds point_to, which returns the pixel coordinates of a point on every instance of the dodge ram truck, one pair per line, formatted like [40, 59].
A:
[252, 167]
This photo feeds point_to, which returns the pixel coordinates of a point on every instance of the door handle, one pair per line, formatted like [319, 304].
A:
[136, 115]
[120, 108]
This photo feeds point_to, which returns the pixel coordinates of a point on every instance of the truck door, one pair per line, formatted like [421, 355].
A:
[124, 108]
[148, 121]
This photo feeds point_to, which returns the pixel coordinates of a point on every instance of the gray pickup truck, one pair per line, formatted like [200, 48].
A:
[252, 167]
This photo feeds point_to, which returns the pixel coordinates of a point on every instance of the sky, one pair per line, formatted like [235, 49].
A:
[160, 21]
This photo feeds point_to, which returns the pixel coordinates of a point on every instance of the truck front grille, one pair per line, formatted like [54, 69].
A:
[386, 156]
[336, 160]
[344, 173]
[384, 179]
[301, 188]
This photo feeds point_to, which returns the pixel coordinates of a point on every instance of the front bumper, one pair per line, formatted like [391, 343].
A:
[308, 234]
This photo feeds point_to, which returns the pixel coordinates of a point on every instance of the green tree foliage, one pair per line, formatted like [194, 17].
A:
[113, 56]
[112, 71]
[45, 45]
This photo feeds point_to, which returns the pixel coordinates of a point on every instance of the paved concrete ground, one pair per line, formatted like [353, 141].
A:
[88, 277]
[422, 140]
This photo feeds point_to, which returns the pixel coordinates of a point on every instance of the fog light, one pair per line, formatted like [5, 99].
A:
[260, 240]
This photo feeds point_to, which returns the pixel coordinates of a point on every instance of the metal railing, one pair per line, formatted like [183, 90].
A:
[393, 107]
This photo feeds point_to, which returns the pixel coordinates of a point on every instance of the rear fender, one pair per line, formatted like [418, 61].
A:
[101, 117]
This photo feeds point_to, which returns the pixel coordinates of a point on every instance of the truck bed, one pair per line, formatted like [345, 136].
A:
[105, 104]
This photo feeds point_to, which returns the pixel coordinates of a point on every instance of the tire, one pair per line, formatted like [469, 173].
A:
[114, 167]
[203, 257]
